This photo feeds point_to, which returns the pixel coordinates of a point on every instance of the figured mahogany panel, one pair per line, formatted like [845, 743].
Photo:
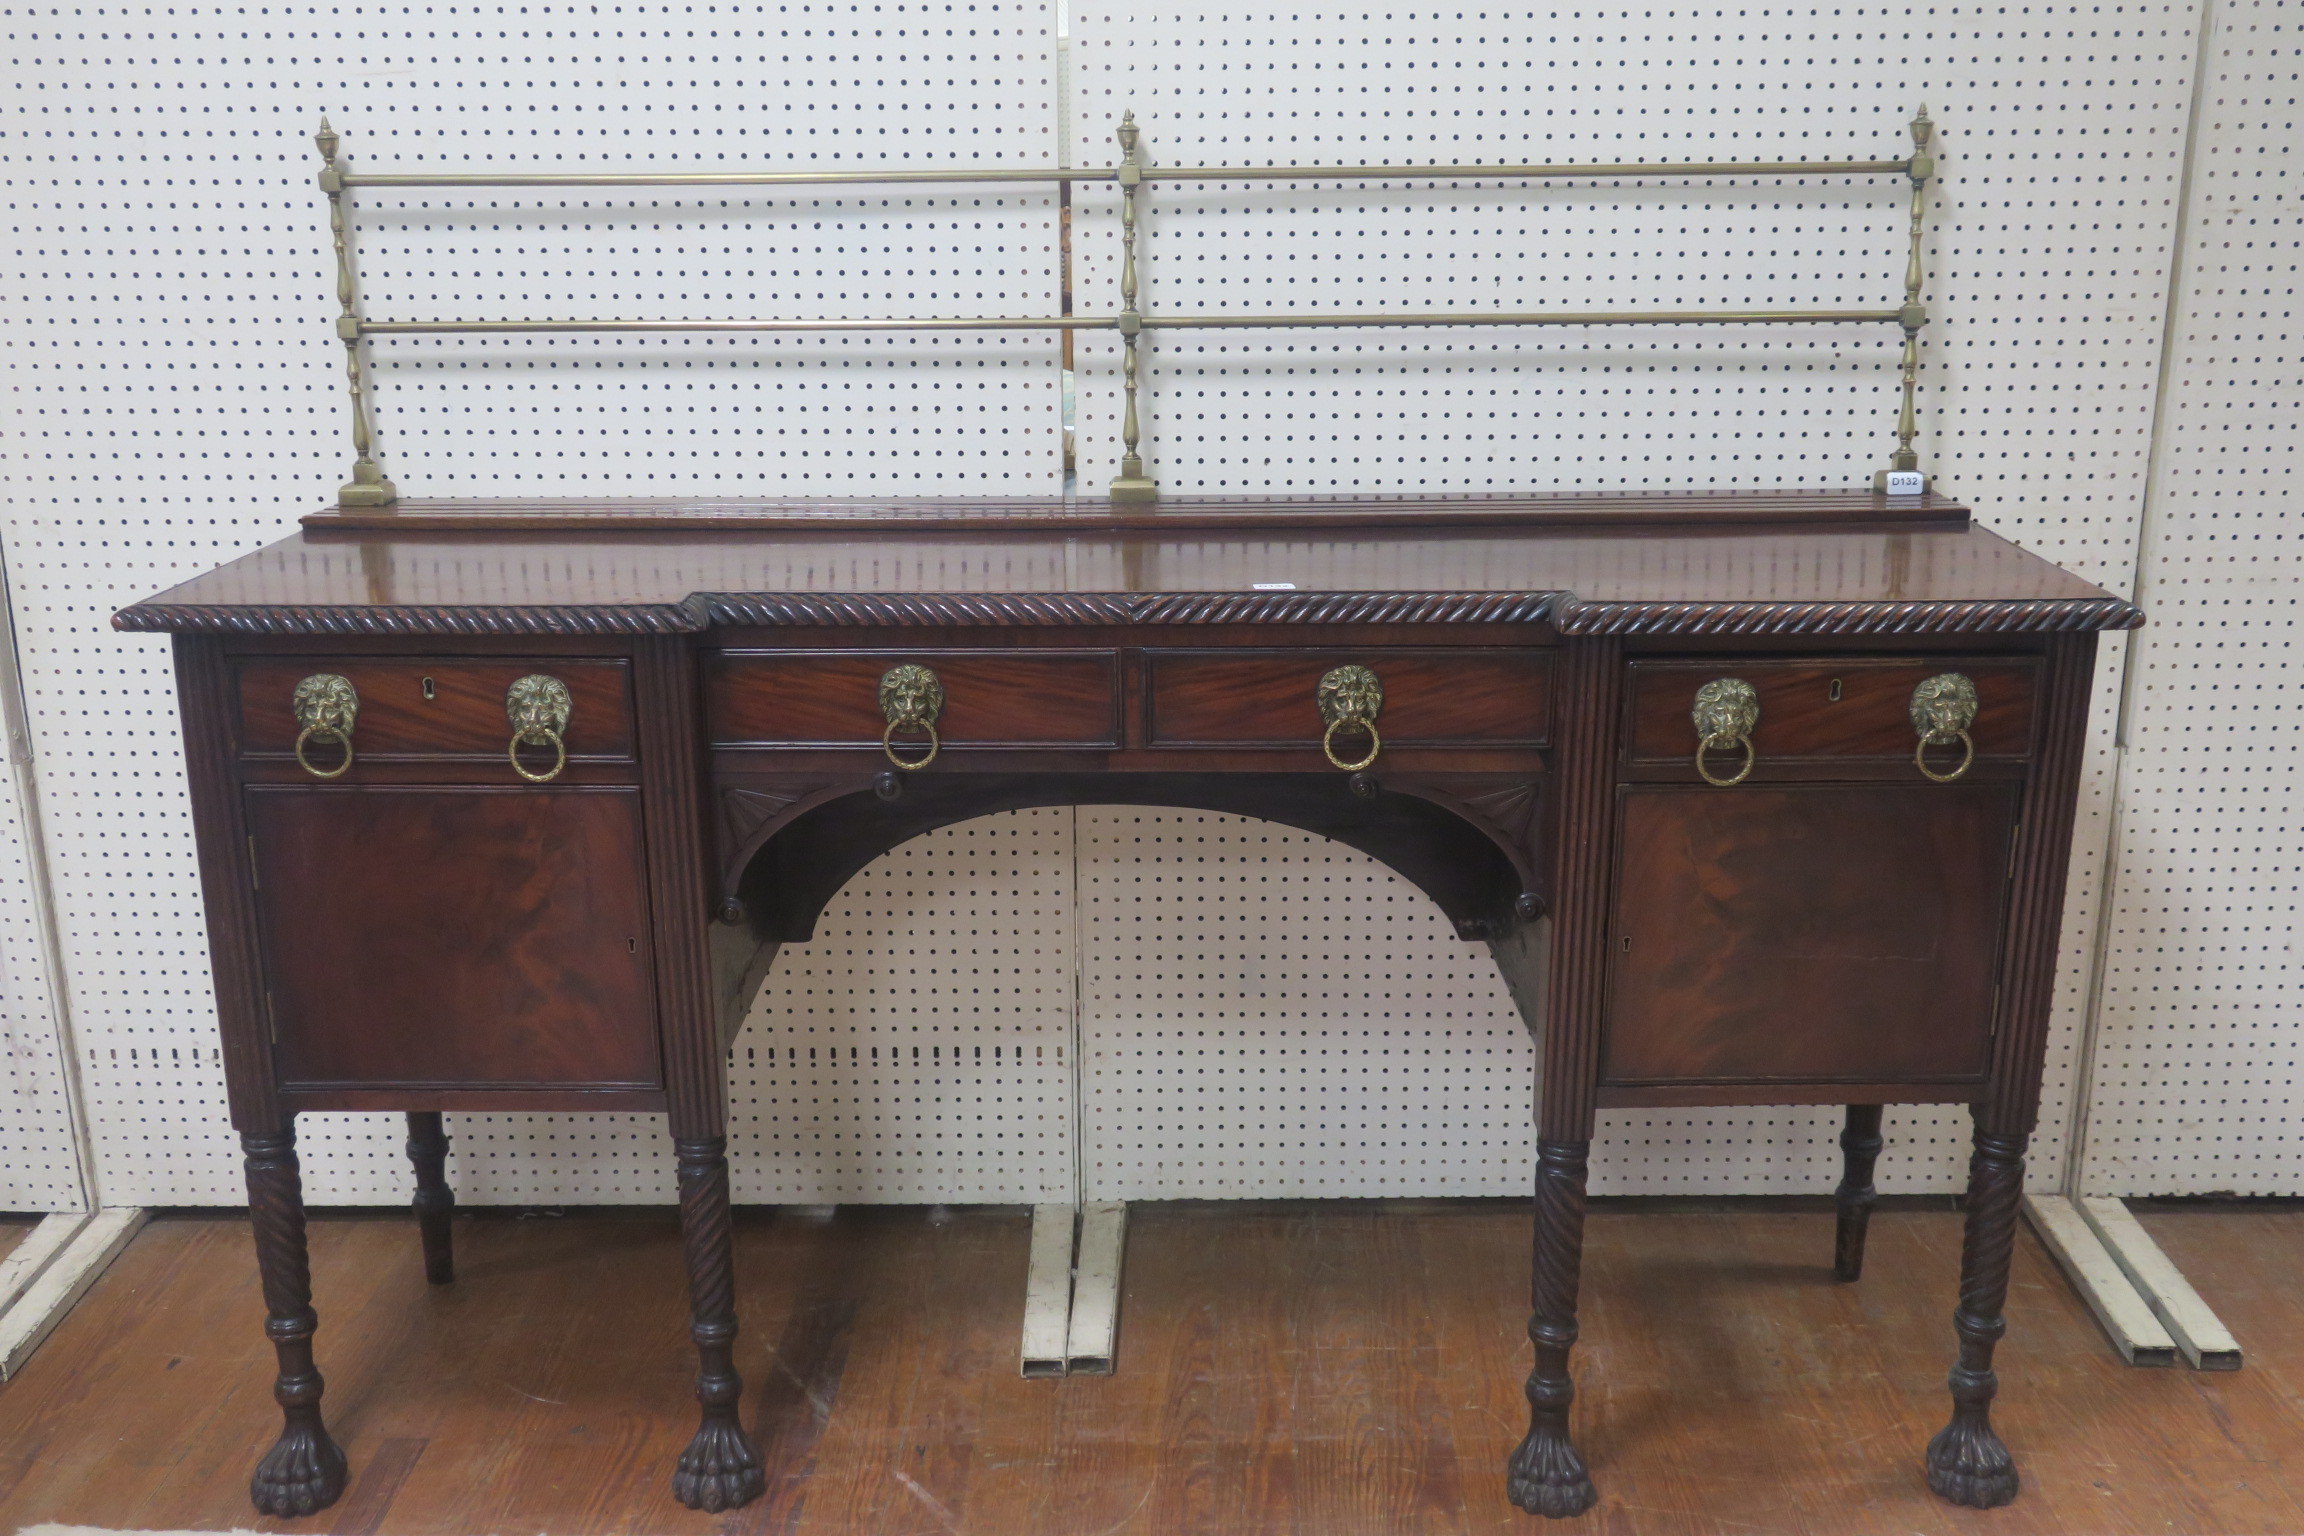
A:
[1801, 717]
[456, 937]
[1810, 933]
[464, 717]
[991, 698]
[1265, 698]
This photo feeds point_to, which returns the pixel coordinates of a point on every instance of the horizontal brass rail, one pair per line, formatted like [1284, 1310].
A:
[995, 323]
[1147, 322]
[1051, 174]
[1588, 317]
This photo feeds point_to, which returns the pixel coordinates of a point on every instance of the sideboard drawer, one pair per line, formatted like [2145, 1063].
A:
[991, 698]
[1488, 697]
[446, 708]
[1845, 708]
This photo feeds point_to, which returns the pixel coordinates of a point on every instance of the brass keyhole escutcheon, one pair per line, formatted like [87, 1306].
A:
[911, 699]
[538, 706]
[326, 707]
[1943, 707]
[1350, 698]
[1726, 713]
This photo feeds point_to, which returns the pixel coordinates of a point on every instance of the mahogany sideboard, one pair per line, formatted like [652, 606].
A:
[1756, 799]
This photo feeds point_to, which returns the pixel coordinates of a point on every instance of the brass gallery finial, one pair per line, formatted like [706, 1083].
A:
[367, 487]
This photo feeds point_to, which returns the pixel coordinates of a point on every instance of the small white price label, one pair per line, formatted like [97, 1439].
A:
[1906, 482]
[1273, 586]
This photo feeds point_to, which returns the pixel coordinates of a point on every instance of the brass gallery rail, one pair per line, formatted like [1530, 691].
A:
[369, 488]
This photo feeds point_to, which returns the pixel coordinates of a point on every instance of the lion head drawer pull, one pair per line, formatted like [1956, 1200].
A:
[326, 706]
[1943, 707]
[1727, 709]
[911, 699]
[1350, 699]
[538, 707]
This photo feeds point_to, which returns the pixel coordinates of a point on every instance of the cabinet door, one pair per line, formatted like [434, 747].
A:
[456, 937]
[1807, 933]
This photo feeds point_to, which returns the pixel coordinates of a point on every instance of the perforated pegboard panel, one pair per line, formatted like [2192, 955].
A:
[2200, 1050]
[2061, 136]
[177, 394]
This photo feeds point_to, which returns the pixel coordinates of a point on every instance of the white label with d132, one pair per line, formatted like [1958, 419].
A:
[1906, 482]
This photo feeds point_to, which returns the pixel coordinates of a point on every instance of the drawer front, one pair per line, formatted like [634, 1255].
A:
[1850, 708]
[1432, 697]
[991, 698]
[418, 709]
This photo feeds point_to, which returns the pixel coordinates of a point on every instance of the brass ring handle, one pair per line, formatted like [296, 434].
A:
[888, 743]
[538, 706]
[1943, 707]
[911, 695]
[1727, 712]
[1350, 696]
[1328, 743]
[324, 733]
[326, 707]
[544, 737]
[1740, 775]
[1967, 755]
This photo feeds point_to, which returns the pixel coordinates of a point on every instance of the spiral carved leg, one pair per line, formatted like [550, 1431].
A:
[304, 1470]
[1548, 1477]
[721, 1467]
[1967, 1464]
[435, 1202]
[1859, 1150]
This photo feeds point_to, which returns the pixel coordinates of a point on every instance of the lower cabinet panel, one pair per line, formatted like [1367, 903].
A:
[456, 937]
[1807, 934]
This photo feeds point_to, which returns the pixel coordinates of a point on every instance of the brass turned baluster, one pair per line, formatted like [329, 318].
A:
[1131, 484]
[367, 487]
[1911, 317]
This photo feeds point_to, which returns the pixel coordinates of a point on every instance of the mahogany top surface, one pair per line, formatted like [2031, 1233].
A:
[1303, 563]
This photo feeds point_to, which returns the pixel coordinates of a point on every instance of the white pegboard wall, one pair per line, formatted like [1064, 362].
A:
[2200, 1048]
[177, 395]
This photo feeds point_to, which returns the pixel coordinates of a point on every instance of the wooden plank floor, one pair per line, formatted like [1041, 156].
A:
[1336, 1369]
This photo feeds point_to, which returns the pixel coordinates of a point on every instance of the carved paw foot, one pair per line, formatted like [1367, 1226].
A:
[303, 1472]
[1968, 1465]
[720, 1469]
[1548, 1477]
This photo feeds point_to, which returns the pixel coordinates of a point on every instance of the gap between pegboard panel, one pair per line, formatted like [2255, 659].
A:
[39, 1152]
[2198, 1027]
[180, 396]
